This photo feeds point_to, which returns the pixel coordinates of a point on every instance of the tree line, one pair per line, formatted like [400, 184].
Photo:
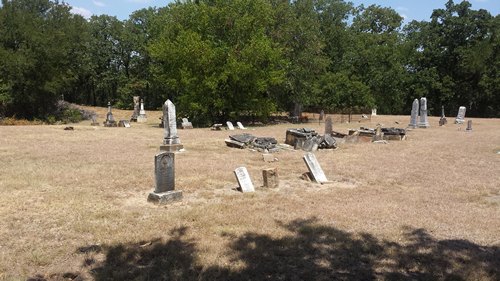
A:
[216, 59]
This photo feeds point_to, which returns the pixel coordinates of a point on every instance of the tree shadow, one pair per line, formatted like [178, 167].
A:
[311, 252]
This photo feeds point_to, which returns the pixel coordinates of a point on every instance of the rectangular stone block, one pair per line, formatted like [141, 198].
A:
[271, 178]
[165, 197]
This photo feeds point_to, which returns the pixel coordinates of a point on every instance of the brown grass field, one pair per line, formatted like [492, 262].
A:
[73, 206]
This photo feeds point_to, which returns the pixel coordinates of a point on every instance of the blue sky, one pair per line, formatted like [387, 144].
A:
[409, 9]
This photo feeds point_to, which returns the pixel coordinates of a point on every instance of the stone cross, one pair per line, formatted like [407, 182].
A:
[314, 168]
[414, 115]
[328, 125]
[165, 180]
[171, 141]
[424, 122]
[244, 179]
[461, 115]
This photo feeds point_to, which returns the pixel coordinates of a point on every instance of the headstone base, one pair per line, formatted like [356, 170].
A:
[424, 125]
[171, 147]
[110, 124]
[165, 197]
[142, 119]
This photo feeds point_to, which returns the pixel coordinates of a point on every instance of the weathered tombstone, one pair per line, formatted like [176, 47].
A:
[124, 123]
[461, 115]
[240, 126]
[142, 118]
[171, 141]
[424, 122]
[379, 135]
[374, 112]
[414, 115]
[442, 120]
[230, 125]
[244, 180]
[328, 125]
[186, 124]
[110, 120]
[469, 126]
[321, 115]
[165, 180]
[271, 178]
[314, 168]
[135, 114]
[94, 121]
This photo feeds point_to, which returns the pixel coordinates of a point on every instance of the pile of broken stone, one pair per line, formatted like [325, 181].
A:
[265, 144]
[309, 140]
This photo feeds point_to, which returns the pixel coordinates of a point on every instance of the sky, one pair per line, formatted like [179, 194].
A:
[409, 9]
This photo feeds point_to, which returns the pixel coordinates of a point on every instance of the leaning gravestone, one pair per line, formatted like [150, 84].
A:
[165, 180]
[244, 180]
[133, 118]
[110, 120]
[414, 115]
[171, 141]
[424, 122]
[461, 115]
[142, 118]
[314, 168]
[230, 125]
[240, 126]
[328, 125]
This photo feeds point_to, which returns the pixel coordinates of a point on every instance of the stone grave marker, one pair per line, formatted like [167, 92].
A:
[442, 120]
[133, 118]
[374, 112]
[186, 124]
[271, 178]
[328, 125]
[110, 120]
[240, 126]
[142, 118]
[461, 115]
[94, 121]
[414, 115]
[469, 126]
[314, 168]
[424, 122]
[244, 180]
[165, 180]
[124, 123]
[230, 126]
[171, 141]
[321, 115]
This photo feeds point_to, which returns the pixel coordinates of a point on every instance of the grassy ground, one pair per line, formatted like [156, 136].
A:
[73, 206]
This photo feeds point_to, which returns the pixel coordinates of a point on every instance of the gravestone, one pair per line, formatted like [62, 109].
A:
[244, 180]
[142, 118]
[461, 115]
[133, 118]
[314, 168]
[216, 127]
[442, 120]
[328, 126]
[374, 112]
[379, 135]
[110, 120]
[186, 124]
[469, 126]
[271, 178]
[171, 141]
[424, 121]
[124, 123]
[230, 126]
[240, 126]
[94, 121]
[414, 115]
[321, 115]
[165, 180]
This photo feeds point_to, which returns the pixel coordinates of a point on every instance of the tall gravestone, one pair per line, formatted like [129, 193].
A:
[414, 115]
[165, 180]
[424, 121]
[461, 115]
[110, 120]
[135, 114]
[329, 126]
[442, 120]
[142, 118]
[171, 141]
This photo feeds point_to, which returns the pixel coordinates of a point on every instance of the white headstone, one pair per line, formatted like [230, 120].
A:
[230, 125]
[424, 121]
[244, 180]
[461, 115]
[414, 114]
[374, 112]
[240, 126]
[169, 122]
[315, 168]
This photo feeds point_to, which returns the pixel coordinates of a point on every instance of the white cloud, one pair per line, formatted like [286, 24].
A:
[81, 11]
[99, 3]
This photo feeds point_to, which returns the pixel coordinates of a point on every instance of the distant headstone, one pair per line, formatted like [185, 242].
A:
[165, 180]
[424, 122]
[171, 141]
[314, 168]
[133, 118]
[271, 178]
[461, 115]
[216, 127]
[379, 135]
[328, 125]
[321, 115]
[142, 118]
[469, 126]
[110, 120]
[414, 115]
[186, 124]
[442, 120]
[124, 123]
[230, 125]
[240, 126]
[94, 121]
[244, 180]
[374, 112]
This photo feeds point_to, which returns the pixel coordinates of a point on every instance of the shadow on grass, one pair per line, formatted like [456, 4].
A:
[311, 252]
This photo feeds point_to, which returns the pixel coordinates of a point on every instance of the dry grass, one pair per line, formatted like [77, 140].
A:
[73, 205]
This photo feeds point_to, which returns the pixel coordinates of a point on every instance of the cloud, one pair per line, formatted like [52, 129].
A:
[99, 3]
[81, 11]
